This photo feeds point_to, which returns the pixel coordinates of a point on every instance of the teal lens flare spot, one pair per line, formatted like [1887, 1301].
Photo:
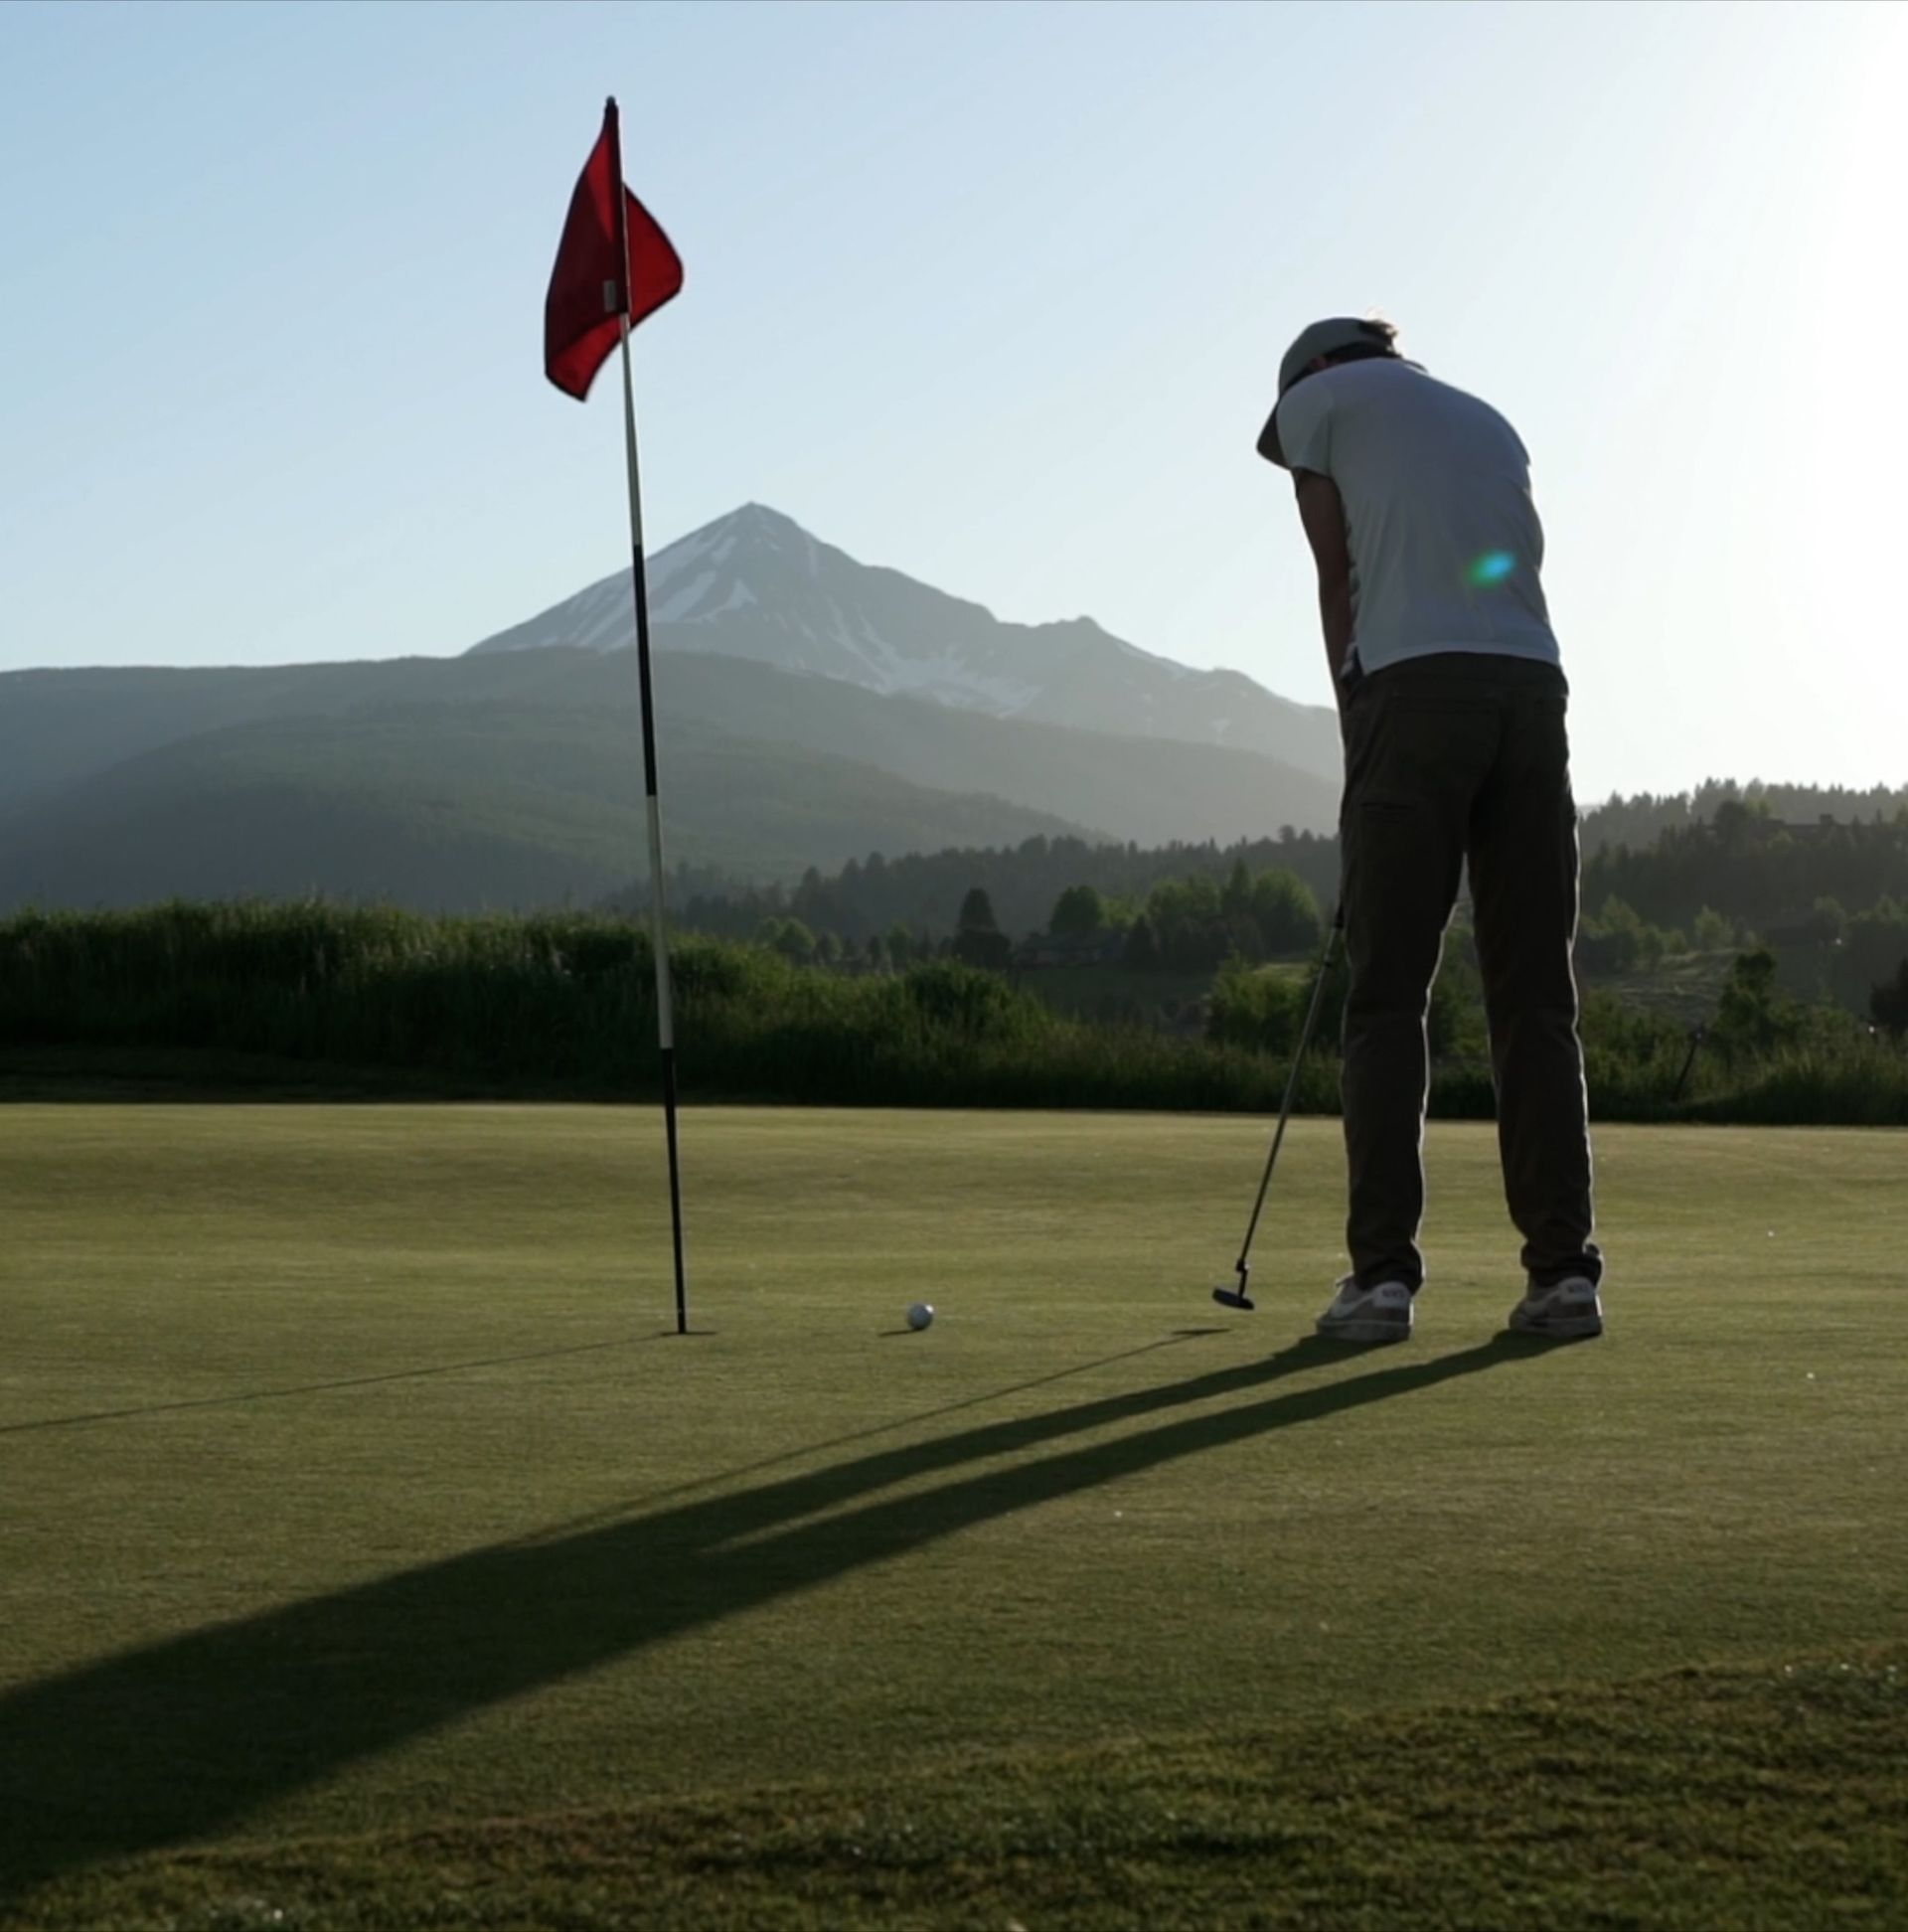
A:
[1492, 567]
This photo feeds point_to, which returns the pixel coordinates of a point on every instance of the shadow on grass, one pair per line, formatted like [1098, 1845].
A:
[617, 1512]
[305, 1388]
[183, 1737]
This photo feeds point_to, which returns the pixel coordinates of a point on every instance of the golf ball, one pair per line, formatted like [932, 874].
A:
[919, 1316]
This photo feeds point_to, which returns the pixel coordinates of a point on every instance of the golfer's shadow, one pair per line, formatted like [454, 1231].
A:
[185, 1736]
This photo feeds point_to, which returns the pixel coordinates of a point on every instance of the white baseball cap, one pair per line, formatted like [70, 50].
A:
[1328, 338]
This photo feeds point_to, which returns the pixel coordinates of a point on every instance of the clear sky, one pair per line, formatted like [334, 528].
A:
[995, 293]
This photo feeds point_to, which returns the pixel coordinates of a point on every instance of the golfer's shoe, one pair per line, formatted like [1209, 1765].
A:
[1381, 1314]
[1568, 1311]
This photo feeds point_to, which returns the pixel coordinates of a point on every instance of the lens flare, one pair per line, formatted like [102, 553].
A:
[1492, 567]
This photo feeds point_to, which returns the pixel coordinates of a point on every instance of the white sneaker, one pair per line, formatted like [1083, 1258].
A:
[1566, 1312]
[1381, 1314]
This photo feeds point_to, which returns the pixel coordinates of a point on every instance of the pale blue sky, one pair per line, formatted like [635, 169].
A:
[995, 293]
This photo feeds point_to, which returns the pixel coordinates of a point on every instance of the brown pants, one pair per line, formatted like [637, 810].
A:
[1448, 760]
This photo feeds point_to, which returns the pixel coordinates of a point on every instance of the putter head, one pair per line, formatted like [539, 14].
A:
[1235, 1297]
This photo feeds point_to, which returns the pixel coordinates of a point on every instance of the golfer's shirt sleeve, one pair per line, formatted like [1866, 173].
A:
[1305, 424]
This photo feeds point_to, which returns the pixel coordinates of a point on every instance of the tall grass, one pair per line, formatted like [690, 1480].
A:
[565, 1004]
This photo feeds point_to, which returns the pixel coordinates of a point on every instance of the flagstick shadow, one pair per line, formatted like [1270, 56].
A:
[184, 1737]
[307, 1388]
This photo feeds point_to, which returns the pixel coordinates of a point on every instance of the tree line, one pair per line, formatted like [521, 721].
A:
[1829, 900]
[564, 1005]
[922, 893]
[1756, 857]
[1187, 923]
[1746, 863]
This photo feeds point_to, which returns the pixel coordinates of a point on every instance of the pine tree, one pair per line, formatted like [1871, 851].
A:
[1078, 913]
[977, 913]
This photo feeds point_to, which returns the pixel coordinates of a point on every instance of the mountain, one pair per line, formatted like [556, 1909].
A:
[510, 776]
[463, 806]
[756, 586]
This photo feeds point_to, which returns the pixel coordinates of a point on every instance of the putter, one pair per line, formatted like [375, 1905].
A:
[1240, 1297]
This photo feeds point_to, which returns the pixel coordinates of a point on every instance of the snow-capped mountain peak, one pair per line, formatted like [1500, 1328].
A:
[755, 584]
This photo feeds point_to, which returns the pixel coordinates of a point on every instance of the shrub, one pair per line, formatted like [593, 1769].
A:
[566, 1005]
[1261, 1007]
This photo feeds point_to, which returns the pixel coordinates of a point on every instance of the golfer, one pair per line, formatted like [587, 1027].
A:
[1416, 500]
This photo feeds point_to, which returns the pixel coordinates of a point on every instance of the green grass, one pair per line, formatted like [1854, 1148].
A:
[376, 1556]
[1685, 986]
[1740, 1797]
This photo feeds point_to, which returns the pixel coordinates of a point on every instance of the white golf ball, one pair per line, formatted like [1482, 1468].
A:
[919, 1316]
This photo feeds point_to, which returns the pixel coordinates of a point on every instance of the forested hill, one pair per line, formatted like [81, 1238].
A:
[923, 891]
[1759, 856]
[1639, 820]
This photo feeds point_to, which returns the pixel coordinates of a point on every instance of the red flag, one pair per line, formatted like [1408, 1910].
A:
[587, 294]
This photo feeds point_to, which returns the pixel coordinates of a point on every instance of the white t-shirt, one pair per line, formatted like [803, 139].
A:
[1446, 546]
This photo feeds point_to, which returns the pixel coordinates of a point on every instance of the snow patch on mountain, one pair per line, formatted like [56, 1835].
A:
[756, 584]
[681, 603]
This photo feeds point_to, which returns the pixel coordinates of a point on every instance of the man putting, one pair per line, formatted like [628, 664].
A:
[1416, 500]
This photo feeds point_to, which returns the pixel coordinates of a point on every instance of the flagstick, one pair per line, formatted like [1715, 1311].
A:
[659, 939]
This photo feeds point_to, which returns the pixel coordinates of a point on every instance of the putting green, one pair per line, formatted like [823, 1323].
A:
[354, 1480]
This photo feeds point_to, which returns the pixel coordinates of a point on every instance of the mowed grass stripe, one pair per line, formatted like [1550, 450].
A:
[353, 1480]
[1771, 1797]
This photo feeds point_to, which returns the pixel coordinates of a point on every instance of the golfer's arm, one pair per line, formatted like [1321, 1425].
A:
[1322, 512]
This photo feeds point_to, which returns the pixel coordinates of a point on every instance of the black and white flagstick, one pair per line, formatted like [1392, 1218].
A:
[639, 581]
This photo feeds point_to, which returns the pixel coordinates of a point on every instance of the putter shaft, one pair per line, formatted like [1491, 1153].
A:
[1239, 1298]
